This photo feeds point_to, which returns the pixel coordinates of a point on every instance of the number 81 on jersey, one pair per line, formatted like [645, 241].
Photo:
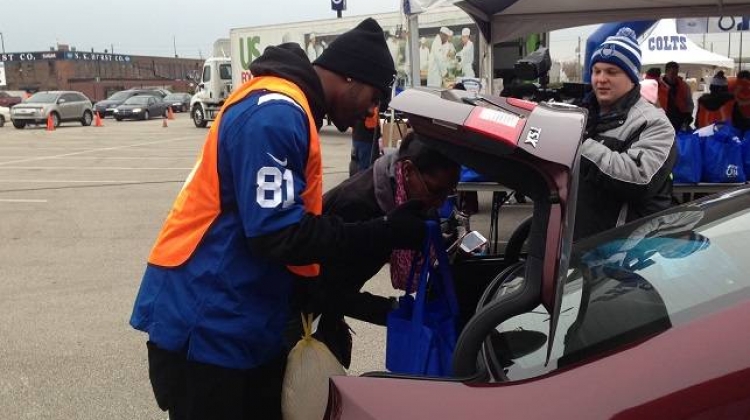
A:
[271, 182]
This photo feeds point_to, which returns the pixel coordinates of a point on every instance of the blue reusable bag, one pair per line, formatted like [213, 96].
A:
[722, 156]
[746, 153]
[689, 164]
[470, 175]
[421, 334]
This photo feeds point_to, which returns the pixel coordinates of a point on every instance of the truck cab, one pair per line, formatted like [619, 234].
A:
[213, 89]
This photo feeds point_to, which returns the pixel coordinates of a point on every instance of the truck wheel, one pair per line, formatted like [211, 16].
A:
[19, 124]
[2, 121]
[198, 118]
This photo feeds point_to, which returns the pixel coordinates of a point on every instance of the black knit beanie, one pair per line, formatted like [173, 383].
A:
[361, 54]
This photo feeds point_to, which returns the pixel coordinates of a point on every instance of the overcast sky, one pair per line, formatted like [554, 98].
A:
[147, 27]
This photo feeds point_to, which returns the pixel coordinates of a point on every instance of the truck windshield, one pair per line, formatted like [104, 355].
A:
[225, 71]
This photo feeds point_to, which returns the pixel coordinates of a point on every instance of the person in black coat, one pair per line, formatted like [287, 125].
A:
[414, 172]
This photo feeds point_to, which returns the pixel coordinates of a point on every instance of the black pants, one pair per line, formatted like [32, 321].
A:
[198, 391]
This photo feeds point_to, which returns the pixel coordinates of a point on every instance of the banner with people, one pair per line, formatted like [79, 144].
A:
[447, 54]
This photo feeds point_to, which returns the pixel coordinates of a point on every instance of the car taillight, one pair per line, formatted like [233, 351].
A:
[497, 124]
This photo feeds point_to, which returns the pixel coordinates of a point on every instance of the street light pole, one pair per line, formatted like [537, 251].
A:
[2, 42]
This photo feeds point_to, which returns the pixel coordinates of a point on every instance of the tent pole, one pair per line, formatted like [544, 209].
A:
[413, 45]
[740, 61]
[729, 45]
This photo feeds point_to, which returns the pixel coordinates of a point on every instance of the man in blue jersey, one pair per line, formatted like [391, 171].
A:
[215, 296]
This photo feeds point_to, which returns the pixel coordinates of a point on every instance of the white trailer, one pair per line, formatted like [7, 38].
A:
[248, 43]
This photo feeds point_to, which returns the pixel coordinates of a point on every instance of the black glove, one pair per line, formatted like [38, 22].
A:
[336, 334]
[406, 225]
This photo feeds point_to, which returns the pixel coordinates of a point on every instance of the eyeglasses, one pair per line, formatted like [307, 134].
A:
[441, 193]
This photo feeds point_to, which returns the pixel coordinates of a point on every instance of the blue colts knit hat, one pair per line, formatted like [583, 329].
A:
[623, 51]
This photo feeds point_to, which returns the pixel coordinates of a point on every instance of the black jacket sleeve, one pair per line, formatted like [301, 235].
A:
[321, 239]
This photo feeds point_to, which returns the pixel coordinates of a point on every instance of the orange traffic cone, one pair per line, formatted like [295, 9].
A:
[170, 113]
[50, 123]
[98, 120]
[164, 122]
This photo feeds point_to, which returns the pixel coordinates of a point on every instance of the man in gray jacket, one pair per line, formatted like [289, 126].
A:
[629, 151]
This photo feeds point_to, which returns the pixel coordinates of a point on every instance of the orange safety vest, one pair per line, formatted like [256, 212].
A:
[681, 96]
[705, 116]
[373, 119]
[663, 94]
[198, 204]
[742, 96]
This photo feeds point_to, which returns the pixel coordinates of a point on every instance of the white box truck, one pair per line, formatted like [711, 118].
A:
[247, 44]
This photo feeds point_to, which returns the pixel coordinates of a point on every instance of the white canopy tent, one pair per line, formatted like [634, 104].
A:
[508, 19]
[664, 44]
[502, 20]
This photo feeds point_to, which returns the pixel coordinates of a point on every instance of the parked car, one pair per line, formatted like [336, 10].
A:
[180, 102]
[647, 320]
[62, 106]
[107, 106]
[8, 100]
[140, 107]
[161, 92]
[4, 115]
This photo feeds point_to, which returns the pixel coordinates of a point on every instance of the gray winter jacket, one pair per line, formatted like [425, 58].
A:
[626, 165]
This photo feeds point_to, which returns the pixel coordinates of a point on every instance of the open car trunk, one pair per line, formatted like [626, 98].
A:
[528, 147]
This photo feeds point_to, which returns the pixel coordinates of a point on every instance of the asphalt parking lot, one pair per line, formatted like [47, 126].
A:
[79, 210]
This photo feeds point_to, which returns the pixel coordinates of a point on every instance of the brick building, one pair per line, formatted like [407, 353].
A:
[96, 74]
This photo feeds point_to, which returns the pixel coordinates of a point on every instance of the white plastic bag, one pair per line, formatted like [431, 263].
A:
[310, 364]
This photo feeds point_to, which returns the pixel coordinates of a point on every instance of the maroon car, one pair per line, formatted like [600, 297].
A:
[8, 100]
[644, 321]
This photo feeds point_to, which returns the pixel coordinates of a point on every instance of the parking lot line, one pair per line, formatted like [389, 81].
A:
[101, 168]
[107, 157]
[20, 200]
[98, 149]
[77, 181]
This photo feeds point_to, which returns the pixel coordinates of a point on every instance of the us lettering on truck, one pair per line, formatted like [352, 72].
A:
[249, 50]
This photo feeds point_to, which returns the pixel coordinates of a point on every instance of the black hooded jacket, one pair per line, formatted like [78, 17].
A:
[316, 239]
[289, 61]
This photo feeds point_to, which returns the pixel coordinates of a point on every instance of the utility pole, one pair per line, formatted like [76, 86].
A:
[174, 44]
[2, 42]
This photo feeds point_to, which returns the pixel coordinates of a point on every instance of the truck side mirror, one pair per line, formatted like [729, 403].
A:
[200, 87]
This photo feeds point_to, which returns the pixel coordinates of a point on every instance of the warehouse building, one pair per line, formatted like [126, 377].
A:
[96, 75]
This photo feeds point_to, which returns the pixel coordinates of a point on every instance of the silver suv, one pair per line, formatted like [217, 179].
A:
[61, 106]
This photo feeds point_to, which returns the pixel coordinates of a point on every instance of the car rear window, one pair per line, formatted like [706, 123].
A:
[137, 100]
[120, 96]
[663, 272]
